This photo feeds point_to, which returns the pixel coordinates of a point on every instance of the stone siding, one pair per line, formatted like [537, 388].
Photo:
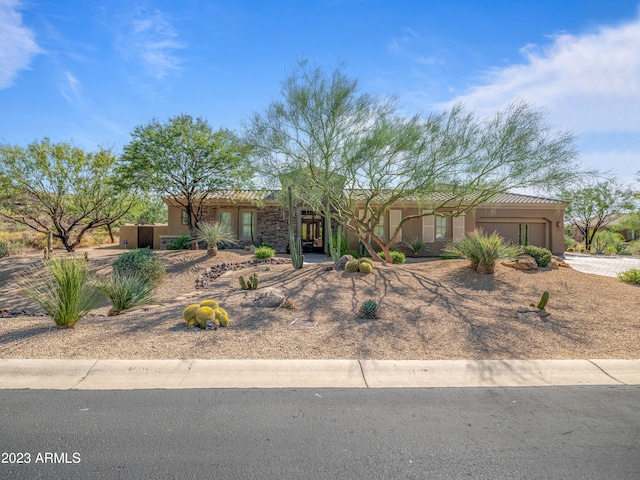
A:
[273, 227]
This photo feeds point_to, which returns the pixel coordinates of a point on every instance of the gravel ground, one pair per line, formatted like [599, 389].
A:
[428, 310]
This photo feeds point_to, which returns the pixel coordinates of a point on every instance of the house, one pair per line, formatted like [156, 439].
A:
[257, 217]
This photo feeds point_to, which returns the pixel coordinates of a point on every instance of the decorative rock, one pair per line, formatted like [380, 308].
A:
[264, 297]
[527, 316]
[342, 261]
[553, 264]
[522, 262]
[211, 273]
[252, 248]
[561, 262]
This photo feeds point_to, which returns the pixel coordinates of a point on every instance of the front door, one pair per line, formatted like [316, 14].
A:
[312, 232]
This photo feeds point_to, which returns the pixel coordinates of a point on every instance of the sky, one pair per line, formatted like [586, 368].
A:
[89, 72]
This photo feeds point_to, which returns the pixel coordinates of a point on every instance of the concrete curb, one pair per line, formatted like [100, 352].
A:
[175, 374]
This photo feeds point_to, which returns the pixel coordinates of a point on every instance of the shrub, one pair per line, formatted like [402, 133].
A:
[4, 249]
[142, 262]
[264, 244]
[482, 250]
[265, 252]
[542, 256]
[396, 257]
[183, 242]
[630, 276]
[126, 291]
[570, 243]
[64, 289]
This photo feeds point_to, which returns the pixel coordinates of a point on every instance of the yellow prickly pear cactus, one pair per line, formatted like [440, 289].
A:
[203, 315]
[189, 314]
[222, 318]
[209, 303]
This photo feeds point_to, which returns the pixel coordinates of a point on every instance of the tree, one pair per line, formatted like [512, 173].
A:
[61, 188]
[596, 205]
[352, 155]
[185, 160]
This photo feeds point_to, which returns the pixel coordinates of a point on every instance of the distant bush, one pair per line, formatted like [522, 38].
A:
[265, 252]
[542, 256]
[396, 257]
[142, 262]
[4, 249]
[183, 242]
[630, 276]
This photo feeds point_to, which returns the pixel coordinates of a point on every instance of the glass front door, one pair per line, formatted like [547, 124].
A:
[312, 232]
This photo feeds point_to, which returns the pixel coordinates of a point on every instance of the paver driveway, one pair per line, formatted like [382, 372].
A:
[607, 265]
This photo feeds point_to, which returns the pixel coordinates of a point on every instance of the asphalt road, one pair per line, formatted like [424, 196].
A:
[493, 433]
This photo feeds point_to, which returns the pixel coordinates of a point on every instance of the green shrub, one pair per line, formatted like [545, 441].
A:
[265, 252]
[264, 244]
[142, 262]
[64, 289]
[634, 247]
[630, 276]
[183, 242]
[126, 291]
[570, 243]
[542, 256]
[4, 249]
[482, 250]
[396, 257]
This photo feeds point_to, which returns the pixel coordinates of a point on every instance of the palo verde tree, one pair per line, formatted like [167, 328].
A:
[595, 205]
[353, 156]
[185, 160]
[61, 188]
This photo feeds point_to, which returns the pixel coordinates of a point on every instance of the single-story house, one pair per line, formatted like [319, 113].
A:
[257, 217]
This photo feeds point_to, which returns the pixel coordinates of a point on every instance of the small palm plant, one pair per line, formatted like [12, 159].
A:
[482, 250]
[64, 289]
[214, 233]
[126, 291]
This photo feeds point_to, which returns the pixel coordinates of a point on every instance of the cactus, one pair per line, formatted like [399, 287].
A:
[221, 317]
[351, 266]
[543, 300]
[250, 284]
[209, 303]
[204, 315]
[365, 267]
[295, 246]
[365, 260]
[369, 309]
[189, 314]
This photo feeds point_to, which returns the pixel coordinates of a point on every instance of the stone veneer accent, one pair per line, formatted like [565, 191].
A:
[273, 227]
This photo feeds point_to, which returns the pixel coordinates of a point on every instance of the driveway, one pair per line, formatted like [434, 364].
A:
[607, 265]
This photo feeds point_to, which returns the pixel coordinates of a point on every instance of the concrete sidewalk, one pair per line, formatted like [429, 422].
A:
[176, 374]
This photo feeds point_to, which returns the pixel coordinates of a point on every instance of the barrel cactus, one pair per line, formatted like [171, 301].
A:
[209, 303]
[204, 315]
[365, 267]
[189, 314]
[222, 318]
[369, 309]
[351, 266]
[365, 260]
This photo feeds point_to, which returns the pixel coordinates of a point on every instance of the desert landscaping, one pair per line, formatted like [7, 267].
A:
[428, 309]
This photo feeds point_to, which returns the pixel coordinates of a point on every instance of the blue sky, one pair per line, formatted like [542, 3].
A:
[90, 71]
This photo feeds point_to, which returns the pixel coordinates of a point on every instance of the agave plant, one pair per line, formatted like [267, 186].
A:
[482, 250]
[64, 289]
[414, 243]
[214, 233]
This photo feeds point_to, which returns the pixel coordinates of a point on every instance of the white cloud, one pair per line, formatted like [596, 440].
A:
[589, 82]
[17, 44]
[150, 37]
[70, 88]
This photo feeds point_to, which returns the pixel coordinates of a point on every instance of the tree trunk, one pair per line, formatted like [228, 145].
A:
[110, 233]
[212, 250]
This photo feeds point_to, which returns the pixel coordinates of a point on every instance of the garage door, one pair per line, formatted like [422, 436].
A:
[509, 231]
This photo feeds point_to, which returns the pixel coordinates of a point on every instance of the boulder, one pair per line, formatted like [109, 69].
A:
[522, 262]
[342, 261]
[553, 264]
[264, 297]
[561, 262]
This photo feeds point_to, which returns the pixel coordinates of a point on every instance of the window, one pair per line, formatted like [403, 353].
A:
[441, 228]
[379, 229]
[225, 218]
[247, 225]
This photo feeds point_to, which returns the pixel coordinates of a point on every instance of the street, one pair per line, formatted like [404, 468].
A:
[524, 432]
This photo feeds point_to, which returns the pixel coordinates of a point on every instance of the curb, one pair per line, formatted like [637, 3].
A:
[182, 374]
